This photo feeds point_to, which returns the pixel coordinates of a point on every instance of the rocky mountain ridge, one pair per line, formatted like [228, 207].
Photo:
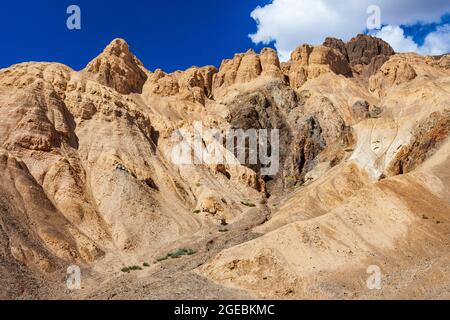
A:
[87, 176]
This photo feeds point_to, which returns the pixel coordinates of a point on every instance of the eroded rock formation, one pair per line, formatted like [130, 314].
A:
[89, 175]
[118, 68]
[365, 54]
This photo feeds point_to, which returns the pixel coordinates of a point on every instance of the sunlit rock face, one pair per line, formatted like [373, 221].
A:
[88, 176]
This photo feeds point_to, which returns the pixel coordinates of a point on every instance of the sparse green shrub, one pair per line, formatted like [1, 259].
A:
[181, 252]
[196, 211]
[145, 264]
[178, 254]
[135, 268]
[162, 258]
[131, 268]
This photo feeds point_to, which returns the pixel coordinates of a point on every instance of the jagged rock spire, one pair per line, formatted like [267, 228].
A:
[118, 68]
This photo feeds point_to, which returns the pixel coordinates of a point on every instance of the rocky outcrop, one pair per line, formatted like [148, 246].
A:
[308, 62]
[361, 109]
[336, 44]
[118, 68]
[249, 67]
[426, 139]
[263, 109]
[442, 61]
[193, 84]
[375, 64]
[270, 63]
[246, 67]
[322, 55]
[363, 48]
[365, 54]
[307, 126]
[395, 72]
[310, 143]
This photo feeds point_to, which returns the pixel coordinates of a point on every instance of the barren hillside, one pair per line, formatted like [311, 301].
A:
[88, 177]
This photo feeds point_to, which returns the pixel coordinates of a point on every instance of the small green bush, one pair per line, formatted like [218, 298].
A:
[196, 211]
[146, 264]
[178, 254]
[162, 258]
[181, 252]
[135, 268]
[131, 268]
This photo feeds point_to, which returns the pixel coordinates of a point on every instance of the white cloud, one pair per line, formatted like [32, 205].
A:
[289, 23]
[395, 36]
[435, 43]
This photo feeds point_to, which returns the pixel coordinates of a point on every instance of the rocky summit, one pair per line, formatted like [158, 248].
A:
[88, 179]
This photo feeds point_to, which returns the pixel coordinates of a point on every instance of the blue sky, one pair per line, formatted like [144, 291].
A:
[177, 34]
[419, 31]
[170, 35]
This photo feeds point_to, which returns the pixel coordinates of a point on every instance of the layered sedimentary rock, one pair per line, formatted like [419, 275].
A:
[246, 67]
[194, 84]
[308, 62]
[89, 176]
